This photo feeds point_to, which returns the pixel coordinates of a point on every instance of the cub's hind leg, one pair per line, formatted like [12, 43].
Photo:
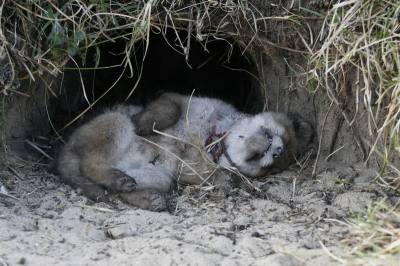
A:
[162, 113]
[94, 147]
[153, 182]
[96, 168]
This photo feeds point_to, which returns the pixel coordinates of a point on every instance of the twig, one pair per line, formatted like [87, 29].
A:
[320, 140]
[87, 207]
[14, 91]
[338, 124]
[7, 195]
[282, 47]
[3, 263]
[38, 149]
[333, 152]
[302, 39]
[12, 170]
[330, 254]
[294, 187]
[47, 86]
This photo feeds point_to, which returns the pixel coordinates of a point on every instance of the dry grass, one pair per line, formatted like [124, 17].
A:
[358, 38]
[51, 33]
[374, 237]
[362, 44]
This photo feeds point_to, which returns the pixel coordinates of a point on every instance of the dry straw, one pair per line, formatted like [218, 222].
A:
[50, 33]
[362, 40]
[374, 237]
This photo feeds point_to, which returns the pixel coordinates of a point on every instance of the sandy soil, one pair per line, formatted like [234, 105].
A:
[44, 222]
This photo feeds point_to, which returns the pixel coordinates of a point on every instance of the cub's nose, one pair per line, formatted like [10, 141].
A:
[277, 153]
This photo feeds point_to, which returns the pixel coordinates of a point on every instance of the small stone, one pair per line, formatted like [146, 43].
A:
[121, 232]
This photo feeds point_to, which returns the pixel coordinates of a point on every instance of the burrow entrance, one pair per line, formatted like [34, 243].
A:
[214, 69]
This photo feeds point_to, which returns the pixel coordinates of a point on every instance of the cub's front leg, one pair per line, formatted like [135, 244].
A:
[93, 148]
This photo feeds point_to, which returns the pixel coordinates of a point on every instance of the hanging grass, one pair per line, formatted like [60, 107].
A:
[363, 36]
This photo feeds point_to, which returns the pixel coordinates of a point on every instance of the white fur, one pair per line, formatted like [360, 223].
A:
[257, 145]
[194, 127]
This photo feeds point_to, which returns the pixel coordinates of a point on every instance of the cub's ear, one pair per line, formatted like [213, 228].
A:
[304, 132]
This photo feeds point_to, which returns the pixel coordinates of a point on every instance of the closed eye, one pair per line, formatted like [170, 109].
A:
[269, 137]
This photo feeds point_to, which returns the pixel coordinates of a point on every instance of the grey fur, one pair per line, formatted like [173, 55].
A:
[118, 150]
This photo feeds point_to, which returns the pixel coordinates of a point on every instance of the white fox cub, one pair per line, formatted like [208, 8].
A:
[119, 150]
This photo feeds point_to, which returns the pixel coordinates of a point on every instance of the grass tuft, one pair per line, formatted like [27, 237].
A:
[362, 43]
[374, 237]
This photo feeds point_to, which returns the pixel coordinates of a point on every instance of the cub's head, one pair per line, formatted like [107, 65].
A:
[262, 144]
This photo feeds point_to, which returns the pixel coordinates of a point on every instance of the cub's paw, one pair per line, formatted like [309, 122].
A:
[227, 183]
[126, 183]
[121, 182]
[157, 202]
